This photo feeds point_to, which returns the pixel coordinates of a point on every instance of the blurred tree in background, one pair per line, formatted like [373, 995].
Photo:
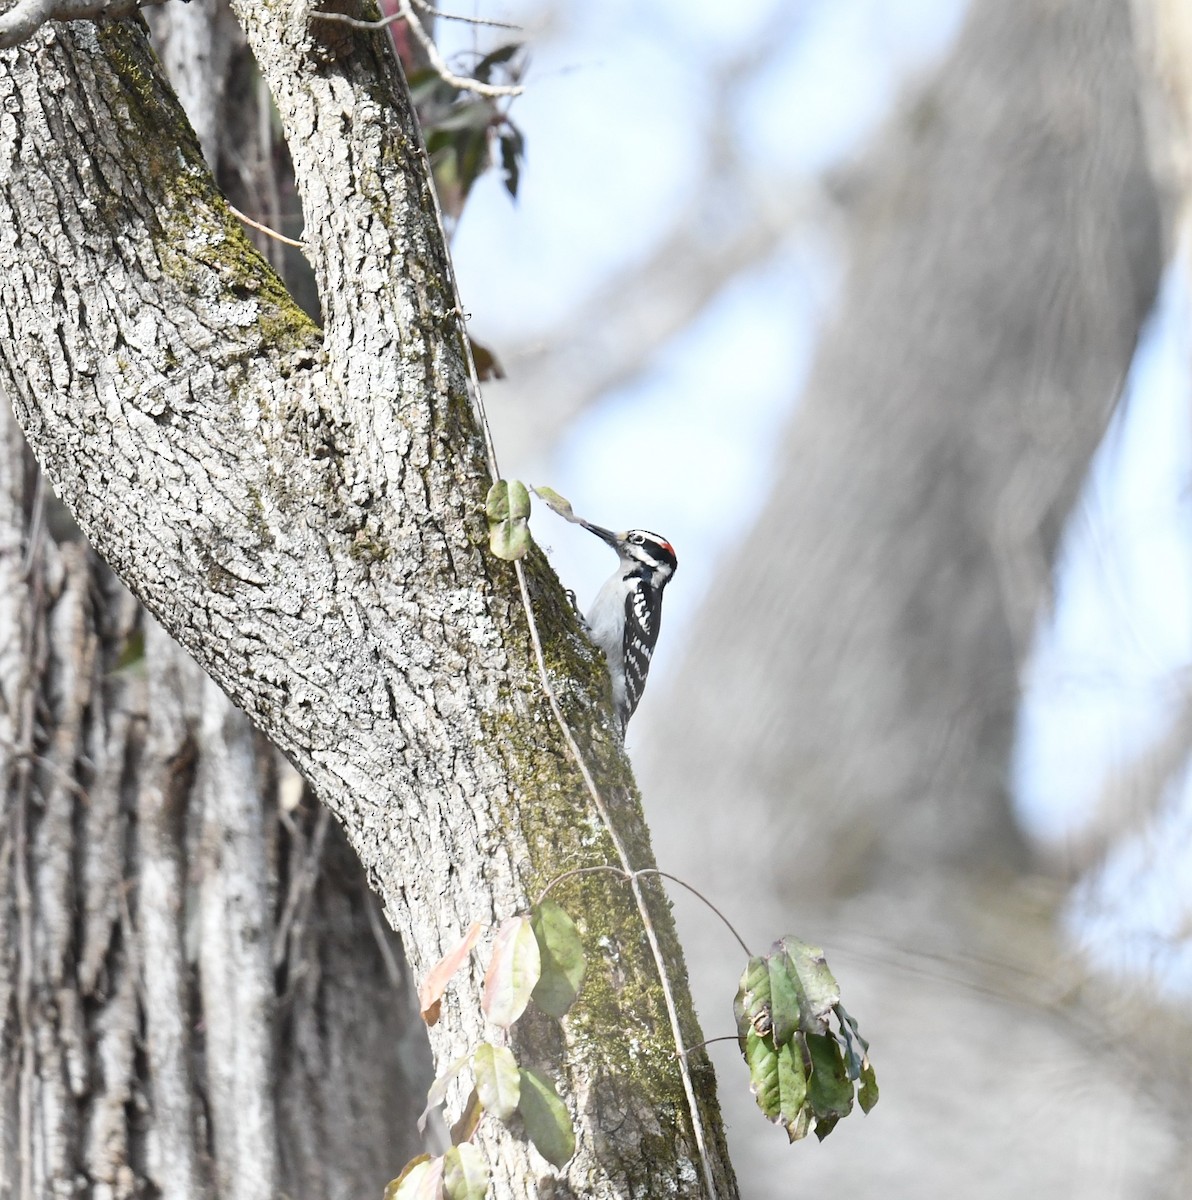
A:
[1004, 242]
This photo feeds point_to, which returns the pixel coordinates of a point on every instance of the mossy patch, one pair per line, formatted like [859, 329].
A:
[365, 548]
[619, 1024]
[202, 247]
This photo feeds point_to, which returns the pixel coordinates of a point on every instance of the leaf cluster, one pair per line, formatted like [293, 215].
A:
[507, 509]
[804, 1052]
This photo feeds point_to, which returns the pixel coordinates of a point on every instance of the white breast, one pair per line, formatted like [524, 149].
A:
[606, 621]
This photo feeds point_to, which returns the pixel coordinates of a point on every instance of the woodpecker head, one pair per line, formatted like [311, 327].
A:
[641, 552]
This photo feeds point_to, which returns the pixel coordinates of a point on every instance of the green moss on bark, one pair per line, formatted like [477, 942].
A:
[618, 1030]
[201, 246]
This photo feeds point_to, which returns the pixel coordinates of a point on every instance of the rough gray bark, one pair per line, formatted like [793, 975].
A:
[20, 19]
[845, 719]
[330, 1007]
[111, 790]
[302, 511]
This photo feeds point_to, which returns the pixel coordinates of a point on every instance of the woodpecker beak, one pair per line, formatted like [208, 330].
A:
[605, 535]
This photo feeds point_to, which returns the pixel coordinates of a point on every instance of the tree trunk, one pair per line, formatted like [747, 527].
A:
[223, 1038]
[302, 510]
[329, 1006]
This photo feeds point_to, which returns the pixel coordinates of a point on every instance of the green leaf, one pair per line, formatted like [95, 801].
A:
[513, 152]
[786, 997]
[752, 1004]
[133, 652]
[556, 503]
[465, 1173]
[818, 987]
[801, 1070]
[802, 1125]
[428, 84]
[778, 1081]
[829, 1089]
[502, 54]
[513, 972]
[762, 1061]
[507, 508]
[548, 1125]
[849, 1023]
[472, 116]
[792, 1087]
[498, 1083]
[472, 152]
[867, 1093]
[854, 1044]
[562, 956]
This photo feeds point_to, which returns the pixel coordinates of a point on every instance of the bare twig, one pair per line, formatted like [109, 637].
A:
[728, 1037]
[281, 237]
[63, 776]
[700, 896]
[385, 22]
[36, 525]
[25, 695]
[380, 932]
[356, 22]
[440, 65]
[565, 875]
[485, 22]
[301, 890]
[24, 997]
[406, 13]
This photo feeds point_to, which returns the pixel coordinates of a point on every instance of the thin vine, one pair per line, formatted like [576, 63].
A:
[565, 875]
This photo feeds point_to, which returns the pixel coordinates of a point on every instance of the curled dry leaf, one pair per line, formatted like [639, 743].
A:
[437, 1092]
[465, 1127]
[430, 992]
[558, 504]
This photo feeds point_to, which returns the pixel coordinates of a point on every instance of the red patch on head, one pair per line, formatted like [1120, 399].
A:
[668, 547]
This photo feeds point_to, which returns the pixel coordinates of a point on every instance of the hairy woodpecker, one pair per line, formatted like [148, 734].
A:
[627, 613]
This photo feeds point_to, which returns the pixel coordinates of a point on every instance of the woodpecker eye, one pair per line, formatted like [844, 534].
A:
[636, 539]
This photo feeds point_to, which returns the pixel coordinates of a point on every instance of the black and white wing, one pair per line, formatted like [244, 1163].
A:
[643, 619]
